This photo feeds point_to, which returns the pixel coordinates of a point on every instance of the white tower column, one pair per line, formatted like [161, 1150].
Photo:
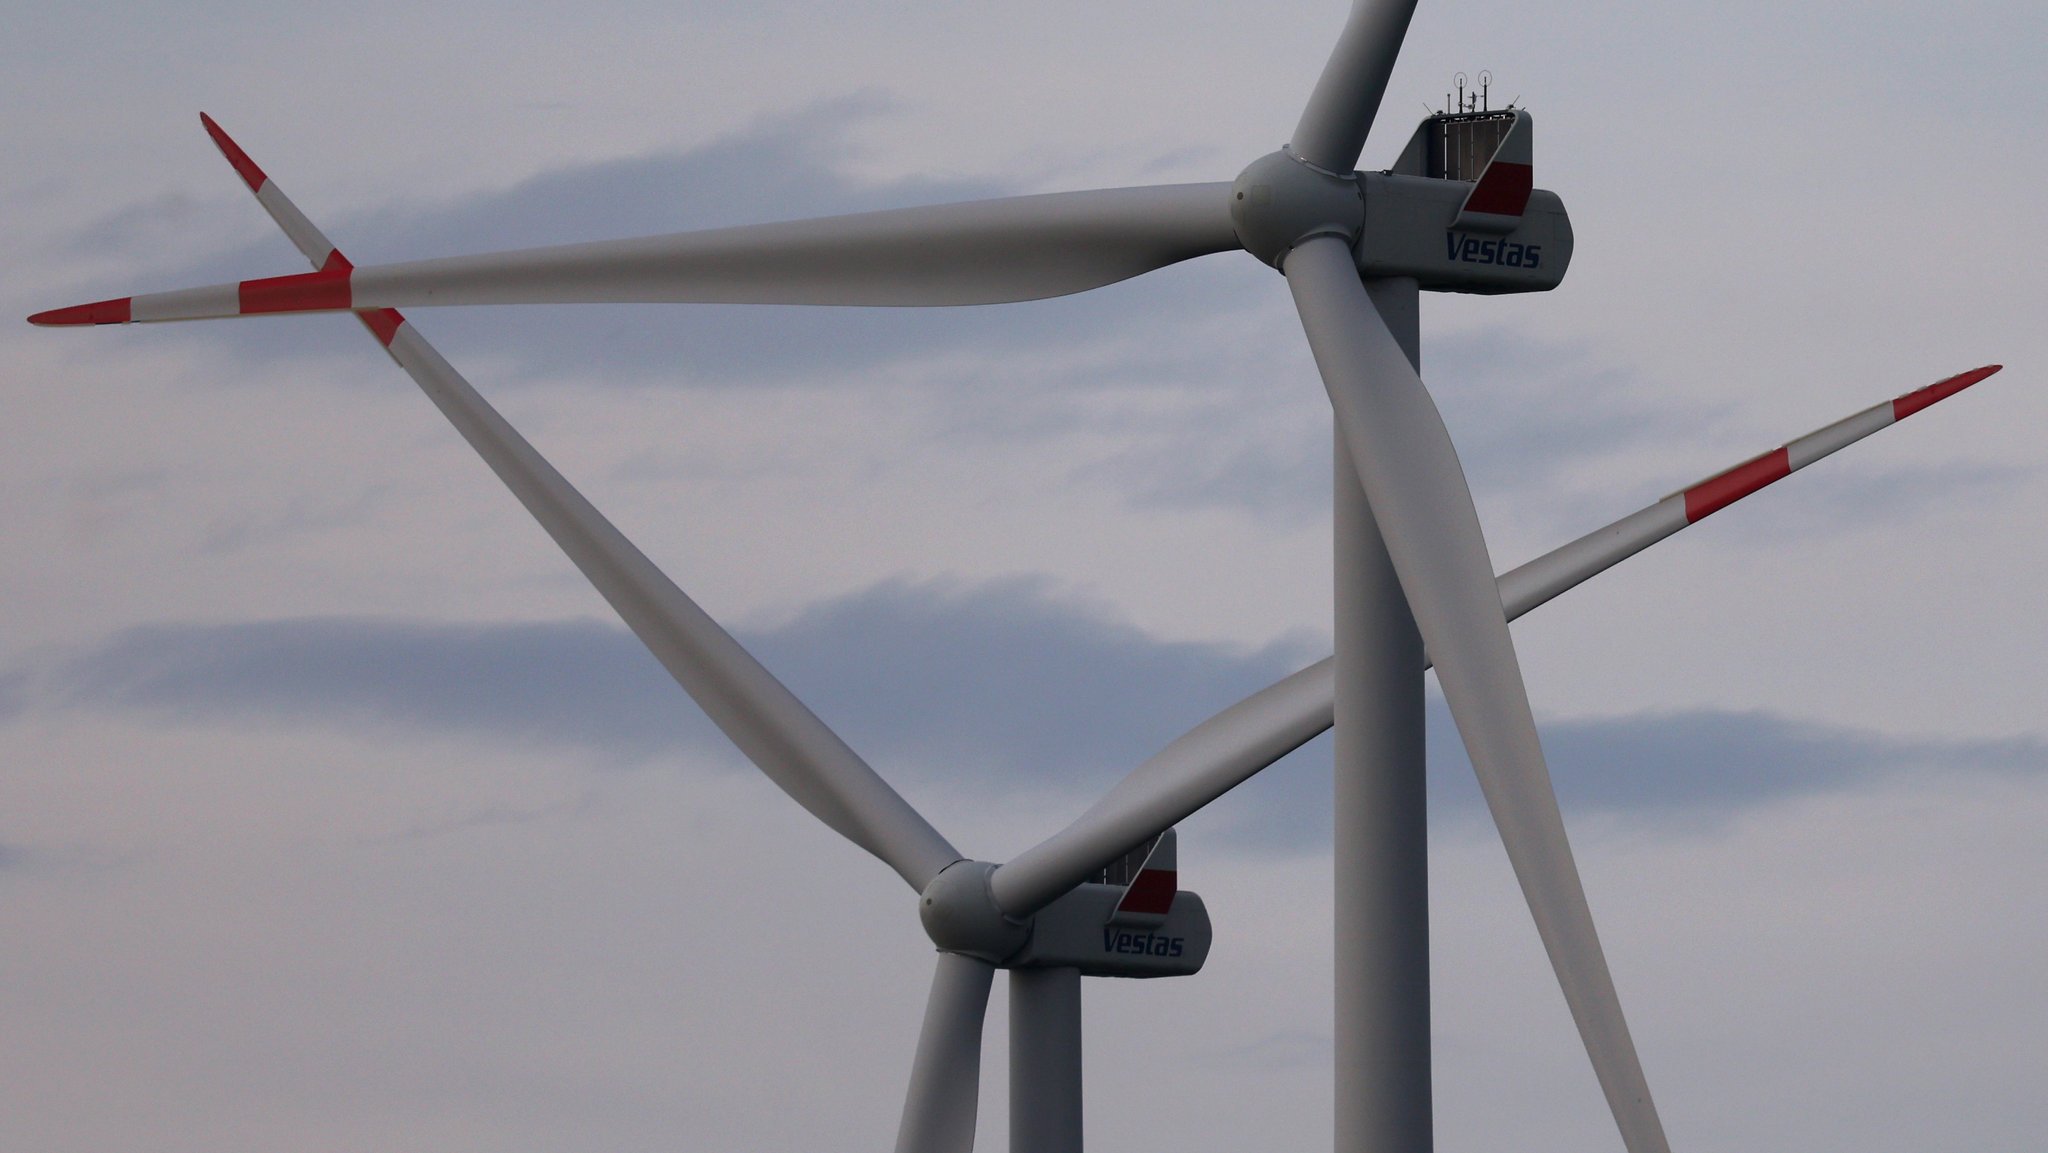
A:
[1382, 841]
[1045, 1061]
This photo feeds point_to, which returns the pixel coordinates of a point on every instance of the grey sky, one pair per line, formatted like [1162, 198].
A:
[334, 814]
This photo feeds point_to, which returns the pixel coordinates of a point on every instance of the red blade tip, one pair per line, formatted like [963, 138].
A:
[98, 312]
[243, 166]
[1918, 399]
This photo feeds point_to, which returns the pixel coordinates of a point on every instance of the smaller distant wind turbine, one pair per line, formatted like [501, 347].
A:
[1456, 212]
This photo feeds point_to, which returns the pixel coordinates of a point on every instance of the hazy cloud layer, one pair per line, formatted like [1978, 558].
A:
[1522, 408]
[573, 682]
[1524, 411]
[13, 694]
[998, 687]
[1710, 763]
[1834, 499]
[999, 681]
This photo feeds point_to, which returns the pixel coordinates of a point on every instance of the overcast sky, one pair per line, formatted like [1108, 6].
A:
[337, 813]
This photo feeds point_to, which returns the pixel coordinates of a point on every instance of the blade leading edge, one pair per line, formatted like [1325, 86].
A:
[1347, 95]
[757, 712]
[1417, 489]
[945, 1079]
[981, 252]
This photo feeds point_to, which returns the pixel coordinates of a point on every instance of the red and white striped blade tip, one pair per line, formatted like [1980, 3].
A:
[98, 312]
[244, 167]
[119, 311]
[324, 291]
[1919, 398]
[1725, 488]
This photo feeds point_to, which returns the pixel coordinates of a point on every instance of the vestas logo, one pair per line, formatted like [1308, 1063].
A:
[1116, 940]
[1472, 250]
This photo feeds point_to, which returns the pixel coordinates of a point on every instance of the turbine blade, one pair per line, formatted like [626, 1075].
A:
[1418, 492]
[982, 252]
[757, 712]
[945, 1079]
[1231, 747]
[1562, 568]
[1203, 764]
[1347, 95]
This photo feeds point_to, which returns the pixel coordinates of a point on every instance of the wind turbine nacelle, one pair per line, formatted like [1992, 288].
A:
[1458, 211]
[1413, 228]
[1085, 930]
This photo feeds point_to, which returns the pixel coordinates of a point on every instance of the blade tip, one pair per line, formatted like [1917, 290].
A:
[1940, 390]
[98, 312]
[237, 159]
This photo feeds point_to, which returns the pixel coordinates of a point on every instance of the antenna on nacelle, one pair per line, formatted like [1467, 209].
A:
[1464, 102]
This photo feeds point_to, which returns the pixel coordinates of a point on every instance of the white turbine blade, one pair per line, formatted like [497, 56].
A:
[760, 715]
[1347, 95]
[1203, 764]
[1596, 552]
[982, 252]
[1236, 744]
[1419, 496]
[945, 1080]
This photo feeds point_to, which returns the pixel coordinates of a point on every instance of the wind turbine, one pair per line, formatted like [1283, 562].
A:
[1415, 585]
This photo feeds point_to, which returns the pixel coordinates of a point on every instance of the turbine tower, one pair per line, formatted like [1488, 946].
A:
[1415, 586]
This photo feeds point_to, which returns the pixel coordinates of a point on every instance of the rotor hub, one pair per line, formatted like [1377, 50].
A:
[960, 914]
[1280, 200]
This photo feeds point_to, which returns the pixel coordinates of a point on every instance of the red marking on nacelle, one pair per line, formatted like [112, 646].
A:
[251, 175]
[1503, 189]
[1151, 891]
[1918, 399]
[1718, 492]
[98, 312]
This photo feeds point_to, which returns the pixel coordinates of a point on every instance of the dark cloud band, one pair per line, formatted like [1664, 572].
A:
[999, 687]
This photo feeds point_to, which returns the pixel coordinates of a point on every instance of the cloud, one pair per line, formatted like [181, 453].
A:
[1838, 500]
[1005, 675]
[1524, 412]
[993, 689]
[13, 695]
[998, 682]
[1522, 409]
[570, 682]
[1708, 764]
